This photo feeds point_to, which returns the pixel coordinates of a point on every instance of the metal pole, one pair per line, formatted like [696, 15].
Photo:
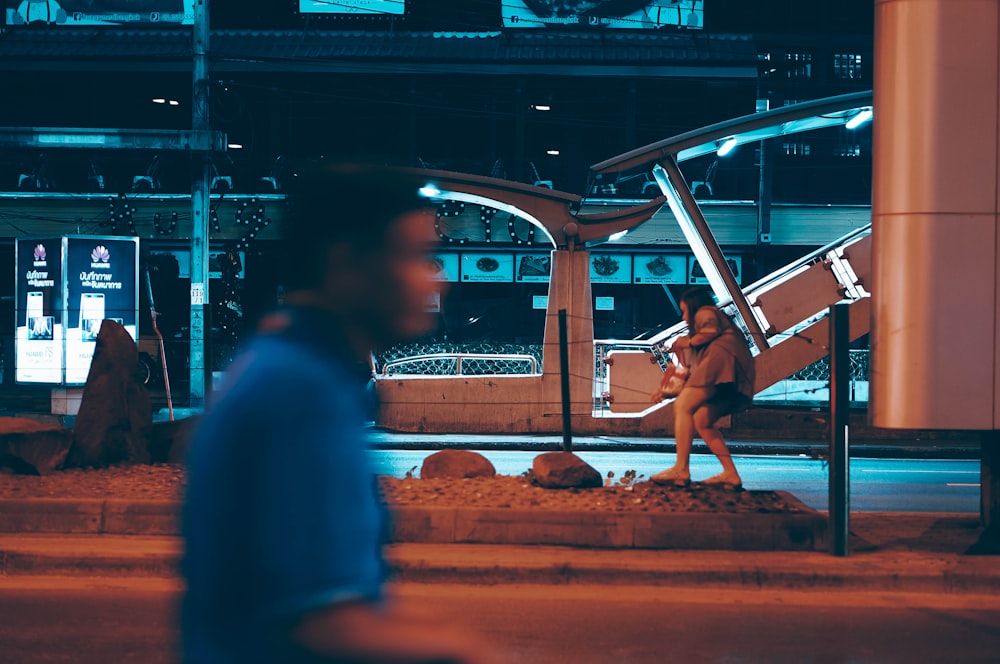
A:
[840, 376]
[564, 380]
[200, 202]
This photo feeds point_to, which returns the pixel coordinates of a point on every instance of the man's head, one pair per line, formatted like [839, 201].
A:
[357, 239]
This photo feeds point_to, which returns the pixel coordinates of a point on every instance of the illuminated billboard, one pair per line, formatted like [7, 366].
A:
[39, 312]
[77, 13]
[369, 7]
[628, 14]
[66, 287]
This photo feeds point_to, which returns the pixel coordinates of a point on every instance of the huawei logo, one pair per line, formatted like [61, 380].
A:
[39, 252]
[100, 253]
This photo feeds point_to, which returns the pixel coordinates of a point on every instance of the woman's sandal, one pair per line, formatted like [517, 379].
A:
[725, 482]
[673, 477]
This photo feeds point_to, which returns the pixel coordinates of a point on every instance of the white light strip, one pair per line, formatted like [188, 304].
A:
[859, 119]
[691, 234]
[726, 147]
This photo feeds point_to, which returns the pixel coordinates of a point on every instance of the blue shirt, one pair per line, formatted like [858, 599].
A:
[281, 515]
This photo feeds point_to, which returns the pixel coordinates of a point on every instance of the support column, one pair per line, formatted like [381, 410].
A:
[569, 289]
[935, 333]
[935, 205]
[200, 361]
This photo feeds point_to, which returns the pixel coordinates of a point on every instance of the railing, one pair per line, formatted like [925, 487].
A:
[462, 364]
[805, 288]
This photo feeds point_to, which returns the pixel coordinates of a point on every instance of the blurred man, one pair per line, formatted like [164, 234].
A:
[282, 523]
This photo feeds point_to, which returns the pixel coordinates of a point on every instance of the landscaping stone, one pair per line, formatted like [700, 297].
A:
[115, 412]
[456, 464]
[564, 470]
[31, 447]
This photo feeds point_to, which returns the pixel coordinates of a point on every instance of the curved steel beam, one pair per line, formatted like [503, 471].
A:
[809, 115]
[554, 212]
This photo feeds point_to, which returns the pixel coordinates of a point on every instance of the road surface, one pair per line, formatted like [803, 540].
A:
[85, 622]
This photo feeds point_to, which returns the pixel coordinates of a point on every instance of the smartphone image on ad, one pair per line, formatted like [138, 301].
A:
[34, 307]
[40, 328]
[91, 315]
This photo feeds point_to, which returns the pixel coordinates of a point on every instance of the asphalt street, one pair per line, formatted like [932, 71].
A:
[877, 485]
[90, 622]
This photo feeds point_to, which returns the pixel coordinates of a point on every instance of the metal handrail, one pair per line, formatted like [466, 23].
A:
[458, 357]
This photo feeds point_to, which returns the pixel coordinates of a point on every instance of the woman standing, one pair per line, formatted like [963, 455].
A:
[721, 382]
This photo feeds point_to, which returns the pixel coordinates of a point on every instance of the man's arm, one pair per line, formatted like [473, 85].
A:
[384, 634]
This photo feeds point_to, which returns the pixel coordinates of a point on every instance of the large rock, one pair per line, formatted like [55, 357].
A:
[115, 414]
[31, 447]
[564, 470]
[456, 464]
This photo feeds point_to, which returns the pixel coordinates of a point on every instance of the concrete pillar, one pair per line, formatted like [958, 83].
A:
[569, 289]
[935, 333]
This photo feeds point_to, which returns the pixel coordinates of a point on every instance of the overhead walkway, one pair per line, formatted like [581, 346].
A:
[783, 315]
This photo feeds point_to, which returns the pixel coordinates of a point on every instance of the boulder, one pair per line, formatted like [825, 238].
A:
[116, 413]
[31, 447]
[564, 470]
[456, 464]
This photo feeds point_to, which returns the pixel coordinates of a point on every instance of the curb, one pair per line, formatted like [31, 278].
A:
[679, 575]
[122, 517]
[473, 564]
[801, 530]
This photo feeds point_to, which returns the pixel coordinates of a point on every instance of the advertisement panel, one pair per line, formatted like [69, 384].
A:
[610, 269]
[533, 268]
[78, 13]
[396, 7]
[102, 283]
[487, 267]
[38, 311]
[659, 269]
[635, 14]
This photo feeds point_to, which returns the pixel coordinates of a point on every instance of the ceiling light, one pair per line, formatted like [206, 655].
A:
[864, 116]
[174, 102]
[235, 146]
[726, 147]
[159, 100]
[541, 107]
[552, 152]
[617, 236]
[429, 191]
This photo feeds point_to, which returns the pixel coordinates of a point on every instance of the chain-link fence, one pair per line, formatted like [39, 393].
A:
[821, 370]
[460, 359]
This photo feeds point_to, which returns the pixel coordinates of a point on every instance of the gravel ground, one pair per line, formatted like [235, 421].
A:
[166, 482]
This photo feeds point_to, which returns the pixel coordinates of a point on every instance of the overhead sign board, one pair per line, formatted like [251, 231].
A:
[610, 269]
[78, 13]
[696, 274]
[487, 267]
[533, 268]
[628, 14]
[370, 7]
[444, 267]
[659, 269]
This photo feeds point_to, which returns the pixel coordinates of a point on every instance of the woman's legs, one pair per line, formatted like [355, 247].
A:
[690, 400]
[704, 420]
